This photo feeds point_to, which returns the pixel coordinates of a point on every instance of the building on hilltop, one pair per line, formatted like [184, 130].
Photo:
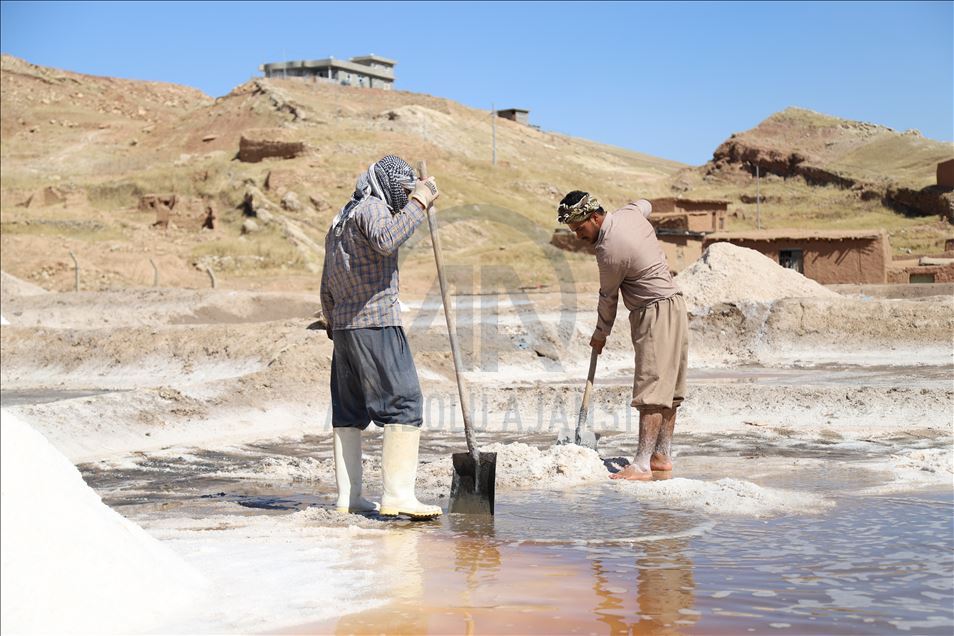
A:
[519, 115]
[369, 71]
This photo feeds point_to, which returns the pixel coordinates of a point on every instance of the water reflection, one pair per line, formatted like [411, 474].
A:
[402, 582]
[665, 588]
[472, 576]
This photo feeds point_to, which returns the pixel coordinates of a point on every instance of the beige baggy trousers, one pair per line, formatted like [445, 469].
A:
[660, 334]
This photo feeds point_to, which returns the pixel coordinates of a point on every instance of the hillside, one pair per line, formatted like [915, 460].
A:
[101, 143]
[820, 171]
[79, 152]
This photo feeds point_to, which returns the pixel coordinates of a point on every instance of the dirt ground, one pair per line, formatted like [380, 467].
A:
[166, 366]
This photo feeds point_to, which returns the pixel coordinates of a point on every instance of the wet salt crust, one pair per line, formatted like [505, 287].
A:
[522, 466]
[913, 469]
[733, 497]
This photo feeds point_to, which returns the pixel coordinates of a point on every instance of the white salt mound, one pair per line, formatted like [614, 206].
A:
[3, 321]
[521, 465]
[726, 496]
[69, 562]
[726, 273]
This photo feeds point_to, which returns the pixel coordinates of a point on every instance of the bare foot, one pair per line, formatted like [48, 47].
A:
[633, 474]
[660, 462]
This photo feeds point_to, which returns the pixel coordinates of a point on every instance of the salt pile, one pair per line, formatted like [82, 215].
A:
[69, 562]
[519, 466]
[726, 273]
[522, 466]
[726, 496]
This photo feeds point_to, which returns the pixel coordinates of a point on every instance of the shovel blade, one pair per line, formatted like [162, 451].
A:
[472, 489]
[588, 439]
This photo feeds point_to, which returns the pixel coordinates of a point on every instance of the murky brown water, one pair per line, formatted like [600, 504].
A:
[592, 560]
[876, 566]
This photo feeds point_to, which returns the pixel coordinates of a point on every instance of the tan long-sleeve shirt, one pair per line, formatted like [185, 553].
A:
[631, 263]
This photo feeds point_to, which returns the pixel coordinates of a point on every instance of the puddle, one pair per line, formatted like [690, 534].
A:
[595, 559]
[874, 567]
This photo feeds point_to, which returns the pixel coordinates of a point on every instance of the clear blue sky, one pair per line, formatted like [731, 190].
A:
[670, 80]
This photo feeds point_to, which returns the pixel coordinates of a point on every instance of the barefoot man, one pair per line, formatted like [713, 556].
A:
[632, 264]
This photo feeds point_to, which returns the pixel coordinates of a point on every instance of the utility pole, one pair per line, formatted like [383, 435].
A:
[493, 129]
[758, 198]
[76, 267]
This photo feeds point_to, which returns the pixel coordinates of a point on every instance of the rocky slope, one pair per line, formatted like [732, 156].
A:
[875, 162]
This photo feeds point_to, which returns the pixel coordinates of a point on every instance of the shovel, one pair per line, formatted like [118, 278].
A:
[583, 438]
[475, 473]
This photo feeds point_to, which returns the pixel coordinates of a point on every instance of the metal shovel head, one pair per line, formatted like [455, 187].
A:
[588, 439]
[472, 490]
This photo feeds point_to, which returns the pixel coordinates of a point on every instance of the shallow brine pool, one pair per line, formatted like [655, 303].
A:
[752, 535]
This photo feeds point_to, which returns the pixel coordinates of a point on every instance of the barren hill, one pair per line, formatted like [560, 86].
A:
[81, 152]
[820, 171]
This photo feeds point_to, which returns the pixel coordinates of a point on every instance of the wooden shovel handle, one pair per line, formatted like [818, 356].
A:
[451, 326]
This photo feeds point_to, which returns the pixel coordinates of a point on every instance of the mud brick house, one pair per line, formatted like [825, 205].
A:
[370, 71]
[945, 173]
[937, 268]
[682, 226]
[826, 256]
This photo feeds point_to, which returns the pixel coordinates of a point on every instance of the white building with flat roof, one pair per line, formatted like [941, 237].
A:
[371, 71]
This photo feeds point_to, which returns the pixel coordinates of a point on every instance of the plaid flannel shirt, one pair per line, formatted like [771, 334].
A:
[359, 283]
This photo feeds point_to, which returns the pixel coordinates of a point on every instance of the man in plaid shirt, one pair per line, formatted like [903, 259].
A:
[373, 378]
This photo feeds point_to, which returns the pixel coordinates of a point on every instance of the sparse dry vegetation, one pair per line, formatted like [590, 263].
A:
[112, 141]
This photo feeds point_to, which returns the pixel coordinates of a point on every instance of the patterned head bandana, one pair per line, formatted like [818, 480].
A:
[579, 211]
[390, 179]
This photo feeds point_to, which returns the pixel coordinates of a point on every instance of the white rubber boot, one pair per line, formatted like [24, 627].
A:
[399, 470]
[348, 472]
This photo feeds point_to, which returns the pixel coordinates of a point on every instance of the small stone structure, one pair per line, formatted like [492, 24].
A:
[66, 196]
[269, 143]
[208, 223]
[159, 204]
[945, 173]
[519, 115]
[826, 256]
